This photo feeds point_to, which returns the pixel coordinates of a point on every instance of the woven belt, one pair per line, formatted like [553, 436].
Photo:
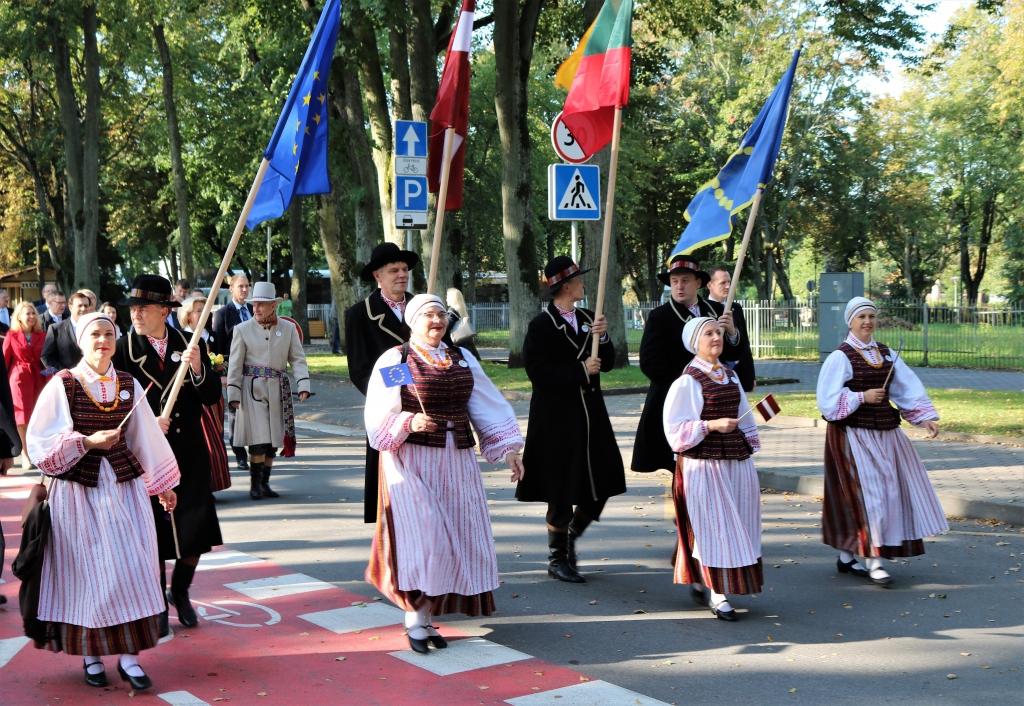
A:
[259, 371]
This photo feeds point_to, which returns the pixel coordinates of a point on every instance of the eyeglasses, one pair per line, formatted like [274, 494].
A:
[436, 317]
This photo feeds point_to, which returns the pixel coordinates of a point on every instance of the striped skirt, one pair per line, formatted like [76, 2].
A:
[718, 521]
[878, 498]
[433, 541]
[127, 638]
[213, 429]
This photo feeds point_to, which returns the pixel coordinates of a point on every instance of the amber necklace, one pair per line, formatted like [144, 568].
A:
[103, 407]
[429, 359]
[867, 360]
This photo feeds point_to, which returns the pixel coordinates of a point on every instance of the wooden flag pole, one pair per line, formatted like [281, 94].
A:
[442, 199]
[229, 253]
[609, 211]
[743, 250]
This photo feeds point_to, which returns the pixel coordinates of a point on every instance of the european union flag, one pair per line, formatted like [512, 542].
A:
[397, 375]
[711, 214]
[298, 148]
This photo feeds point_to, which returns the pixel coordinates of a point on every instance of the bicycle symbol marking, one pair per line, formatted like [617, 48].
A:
[219, 613]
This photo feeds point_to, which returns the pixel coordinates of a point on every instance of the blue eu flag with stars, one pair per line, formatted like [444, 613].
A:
[397, 375]
[298, 149]
[711, 214]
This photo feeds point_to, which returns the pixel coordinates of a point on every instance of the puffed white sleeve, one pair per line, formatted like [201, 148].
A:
[835, 400]
[908, 394]
[747, 423]
[492, 415]
[149, 445]
[684, 428]
[387, 426]
[53, 444]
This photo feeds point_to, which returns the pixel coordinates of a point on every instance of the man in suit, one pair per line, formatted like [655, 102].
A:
[152, 353]
[663, 357]
[741, 359]
[55, 310]
[224, 321]
[371, 327]
[44, 296]
[61, 349]
[181, 288]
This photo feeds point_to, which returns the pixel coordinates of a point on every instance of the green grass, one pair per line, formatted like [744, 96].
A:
[328, 364]
[969, 411]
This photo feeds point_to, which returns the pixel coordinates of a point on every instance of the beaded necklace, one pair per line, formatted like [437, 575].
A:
[867, 360]
[102, 407]
[429, 359]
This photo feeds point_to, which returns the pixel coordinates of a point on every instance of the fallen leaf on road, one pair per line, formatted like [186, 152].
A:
[950, 676]
[131, 694]
[262, 693]
[965, 654]
[484, 688]
[515, 595]
[667, 663]
[1002, 544]
[539, 674]
[339, 659]
[792, 691]
[593, 602]
[375, 637]
[769, 638]
[584, 678]
[639, 611]
[567, 635]
[303, 634]
[212, 674]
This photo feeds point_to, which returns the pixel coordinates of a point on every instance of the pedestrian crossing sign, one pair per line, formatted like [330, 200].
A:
[574, 192]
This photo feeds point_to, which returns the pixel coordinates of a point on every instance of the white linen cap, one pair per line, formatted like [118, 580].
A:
[692, 329]
[84, 322]
[856, 304]
[418, 304]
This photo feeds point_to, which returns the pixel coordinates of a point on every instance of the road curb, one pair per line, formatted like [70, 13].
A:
[783, 420]
[970, 508]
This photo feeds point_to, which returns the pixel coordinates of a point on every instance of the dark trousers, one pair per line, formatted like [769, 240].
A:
[239, 451]
[267, 450]
[559, 516]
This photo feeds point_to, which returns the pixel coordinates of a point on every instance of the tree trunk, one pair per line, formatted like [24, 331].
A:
[177, 168]
[86, 265]
[339, 254]
[172, 263]
[908, 263]
[514, 35]
[296, 243]
[401, 101]
[72, 137]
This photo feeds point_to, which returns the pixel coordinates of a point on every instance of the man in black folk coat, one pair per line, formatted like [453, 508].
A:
[571, 457]
[663, 357]
[372, 326]
[742, 360]
[224, 321]
[152, 353]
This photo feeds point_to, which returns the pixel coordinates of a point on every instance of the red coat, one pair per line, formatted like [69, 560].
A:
[24, 366]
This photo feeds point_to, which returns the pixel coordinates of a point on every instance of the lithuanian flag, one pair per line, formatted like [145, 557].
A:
[601, 81]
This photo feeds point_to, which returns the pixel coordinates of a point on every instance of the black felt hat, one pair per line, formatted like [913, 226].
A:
[385, 254]
[558, 271]
[150, 289]
[684, 263]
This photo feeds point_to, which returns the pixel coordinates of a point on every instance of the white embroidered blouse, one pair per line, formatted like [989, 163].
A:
[684, 428]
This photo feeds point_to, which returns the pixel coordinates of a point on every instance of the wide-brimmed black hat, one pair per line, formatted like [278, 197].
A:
[684, 263]
[385, 254]
[558, 271]
[150, 289]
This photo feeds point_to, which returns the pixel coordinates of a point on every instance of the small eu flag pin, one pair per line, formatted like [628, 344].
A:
[397, 375]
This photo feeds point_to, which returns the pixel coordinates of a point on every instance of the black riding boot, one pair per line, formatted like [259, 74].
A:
[576, 528]
[265, 485]
[256, 480]
[181, 579]
[558, 564]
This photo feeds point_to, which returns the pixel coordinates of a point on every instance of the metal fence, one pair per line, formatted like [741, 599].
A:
[989, 336]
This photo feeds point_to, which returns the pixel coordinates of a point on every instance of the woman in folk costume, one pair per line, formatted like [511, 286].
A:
[433, 552]
[716, 492]
[570, 447]
[100, 582]
[258, 386]
[878, 499]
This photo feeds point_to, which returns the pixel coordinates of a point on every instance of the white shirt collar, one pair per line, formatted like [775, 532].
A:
[857, 343]
[239, 306]
[89, 375]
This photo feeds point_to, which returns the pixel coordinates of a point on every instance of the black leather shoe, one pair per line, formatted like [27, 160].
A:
[143, 682]
[186, 613]
[163, 629]
[701, 598]
[848, 569]
[419, 646]
[728, 616]
[181, 580]
[558, 561]
[435, 640]
[94, 679]
[242, 464]
[884, 582]
[265, 485]
[256, 481]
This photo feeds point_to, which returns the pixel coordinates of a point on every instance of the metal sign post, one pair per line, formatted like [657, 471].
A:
[410, 177]
[575, 242]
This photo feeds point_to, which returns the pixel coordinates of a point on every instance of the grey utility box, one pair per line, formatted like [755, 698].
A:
[835, 289]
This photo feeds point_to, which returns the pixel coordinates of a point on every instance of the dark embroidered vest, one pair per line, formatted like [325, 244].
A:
[720, 401]
[880, 415]
[445, 394]
[88, 419]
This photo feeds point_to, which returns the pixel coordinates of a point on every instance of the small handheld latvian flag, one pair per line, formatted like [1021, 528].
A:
[767, 408]
[397, 375]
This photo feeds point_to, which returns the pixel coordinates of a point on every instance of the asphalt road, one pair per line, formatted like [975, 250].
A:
[949, 631]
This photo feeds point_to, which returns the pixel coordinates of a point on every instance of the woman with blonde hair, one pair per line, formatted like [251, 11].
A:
[23, 348]
[188, 315]
[458, 313]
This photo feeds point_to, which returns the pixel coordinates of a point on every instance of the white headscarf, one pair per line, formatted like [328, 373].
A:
[691, 332]
[855, 305]
[84, 322]
[418, 304]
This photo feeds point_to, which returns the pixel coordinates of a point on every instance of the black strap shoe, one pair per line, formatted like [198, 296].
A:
[419, 646]
[139, 683]
[99, 679]
[265, 485]
[435, 639]
[728, 616]
[558, 561]
[847, 568]
[256, 481]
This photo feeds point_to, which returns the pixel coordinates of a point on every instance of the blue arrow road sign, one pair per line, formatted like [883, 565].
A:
[411, 193]
[574, 192]
[410, 138]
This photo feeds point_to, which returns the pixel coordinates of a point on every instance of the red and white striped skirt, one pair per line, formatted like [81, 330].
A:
[878, 498]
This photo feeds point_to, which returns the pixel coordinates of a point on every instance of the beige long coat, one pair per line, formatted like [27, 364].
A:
[260, 418]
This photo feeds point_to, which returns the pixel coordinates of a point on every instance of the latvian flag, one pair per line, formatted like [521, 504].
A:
[767, 408]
